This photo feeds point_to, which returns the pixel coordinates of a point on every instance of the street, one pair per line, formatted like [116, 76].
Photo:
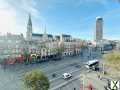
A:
[59, 44]
[11, 76]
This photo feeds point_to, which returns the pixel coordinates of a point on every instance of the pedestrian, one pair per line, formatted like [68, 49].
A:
[74, 89]
[88, 56]
[98, 76]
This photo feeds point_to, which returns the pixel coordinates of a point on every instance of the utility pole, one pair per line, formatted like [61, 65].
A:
[90, 51]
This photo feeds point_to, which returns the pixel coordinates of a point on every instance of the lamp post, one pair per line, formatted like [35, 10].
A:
[90, 51]
[103, 68]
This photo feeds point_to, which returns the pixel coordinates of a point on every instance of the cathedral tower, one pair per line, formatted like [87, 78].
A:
[29, 29]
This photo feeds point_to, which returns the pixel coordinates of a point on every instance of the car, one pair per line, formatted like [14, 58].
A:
[54, 75]
[67, 76]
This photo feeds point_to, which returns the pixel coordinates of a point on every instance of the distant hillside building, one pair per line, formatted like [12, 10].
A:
[99, 29]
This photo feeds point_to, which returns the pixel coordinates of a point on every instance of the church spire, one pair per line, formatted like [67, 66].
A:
[29, 20]
[29, 28]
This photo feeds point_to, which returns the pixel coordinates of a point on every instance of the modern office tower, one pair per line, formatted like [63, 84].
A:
[99, 29]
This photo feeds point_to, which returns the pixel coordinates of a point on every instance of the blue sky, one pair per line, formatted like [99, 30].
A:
[75, 17]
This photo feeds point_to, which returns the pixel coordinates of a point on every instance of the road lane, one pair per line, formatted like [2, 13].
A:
[49, 71]
[46, 66]
[10, 78]
[60, 80]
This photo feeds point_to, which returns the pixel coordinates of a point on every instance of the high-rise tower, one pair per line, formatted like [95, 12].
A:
[29, 29]
[99, 29]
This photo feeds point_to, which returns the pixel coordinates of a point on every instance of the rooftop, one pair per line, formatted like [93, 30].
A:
[41, 35]
[36, 34]
[99, 18]
[65, 35]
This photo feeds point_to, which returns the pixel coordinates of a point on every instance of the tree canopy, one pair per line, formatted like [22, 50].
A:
[36, 80]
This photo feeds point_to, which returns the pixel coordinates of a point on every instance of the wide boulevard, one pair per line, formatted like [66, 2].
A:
[11, 76]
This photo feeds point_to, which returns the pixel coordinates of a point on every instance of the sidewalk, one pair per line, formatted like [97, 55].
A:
[92, 78]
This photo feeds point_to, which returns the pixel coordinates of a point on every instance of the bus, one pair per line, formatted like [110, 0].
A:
[92, 64]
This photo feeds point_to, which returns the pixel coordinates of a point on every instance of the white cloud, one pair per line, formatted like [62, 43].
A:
[29, 7]
[7, 20]
[13, 15]
[13, 12]
[80, 2]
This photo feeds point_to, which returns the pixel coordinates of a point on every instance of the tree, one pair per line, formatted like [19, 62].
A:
[60, 48]
[83, 48]
[36, 80]
[26, 55]
[74, 50]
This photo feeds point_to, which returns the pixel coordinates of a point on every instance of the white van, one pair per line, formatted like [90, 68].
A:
[67, 75]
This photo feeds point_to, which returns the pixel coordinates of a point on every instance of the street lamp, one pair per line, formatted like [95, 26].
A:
[90, 51]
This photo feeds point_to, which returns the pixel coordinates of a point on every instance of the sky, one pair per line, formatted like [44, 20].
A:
[74, 17]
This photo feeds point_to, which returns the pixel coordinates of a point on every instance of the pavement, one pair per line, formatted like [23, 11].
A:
[92, 78]
[11, 75]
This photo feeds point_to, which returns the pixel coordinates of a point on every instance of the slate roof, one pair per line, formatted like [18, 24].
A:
[41, 35]
[35, 34]
[64, 35]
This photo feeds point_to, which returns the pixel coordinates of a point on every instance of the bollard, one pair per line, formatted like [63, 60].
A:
[90, 87]
[74, 88]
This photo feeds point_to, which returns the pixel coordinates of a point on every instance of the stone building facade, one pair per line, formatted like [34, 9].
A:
[42, 44]
[11, 44]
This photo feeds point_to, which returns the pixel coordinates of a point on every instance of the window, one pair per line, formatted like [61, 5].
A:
[1, 40]
[9, 41]
[17, 41]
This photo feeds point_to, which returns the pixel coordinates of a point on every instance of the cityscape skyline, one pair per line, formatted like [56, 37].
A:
[61, 17]
[59, 44]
